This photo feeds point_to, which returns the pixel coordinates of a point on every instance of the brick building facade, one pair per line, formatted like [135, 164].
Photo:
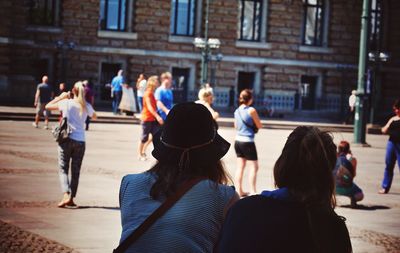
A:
[304, 54]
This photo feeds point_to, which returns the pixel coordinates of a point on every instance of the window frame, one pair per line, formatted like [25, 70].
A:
[173, 32]
[320, 5]
[103, 27]
[376, 30]
[260, 20]
[54, 12]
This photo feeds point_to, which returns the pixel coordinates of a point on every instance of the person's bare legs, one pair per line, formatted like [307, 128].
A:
[146, 144]
[140, 150]
[253, 177]
[46, 122]
[241, 163]
[37, 118]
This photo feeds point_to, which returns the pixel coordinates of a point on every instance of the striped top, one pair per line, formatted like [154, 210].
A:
[191, 225]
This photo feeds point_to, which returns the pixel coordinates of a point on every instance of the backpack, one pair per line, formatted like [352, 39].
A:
[343, 174]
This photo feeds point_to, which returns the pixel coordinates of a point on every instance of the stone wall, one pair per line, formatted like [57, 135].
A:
[279, 62]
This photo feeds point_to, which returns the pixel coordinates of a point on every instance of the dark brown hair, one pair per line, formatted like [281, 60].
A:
[396, 104]
[169, 177]
[305, 167]
[245, 96]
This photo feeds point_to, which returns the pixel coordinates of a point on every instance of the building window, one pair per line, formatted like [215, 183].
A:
[113, 15]
[376, 32]
[249, 23]
[183, 16]
[313, 22]
[44, 12]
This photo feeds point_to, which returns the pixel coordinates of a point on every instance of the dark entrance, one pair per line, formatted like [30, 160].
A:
[307, 92]
[245, 80]
[108, 71]
[180, 79]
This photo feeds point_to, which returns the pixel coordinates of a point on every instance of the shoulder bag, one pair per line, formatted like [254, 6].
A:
[62, 131]
[253, 127]
[156, 214]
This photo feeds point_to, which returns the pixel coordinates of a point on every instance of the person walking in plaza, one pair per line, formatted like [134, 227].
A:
[187, 164]
[141, 88]
[299, 215]
[247, 123]
[75, 110]
[89, 97]
[151, 120]
[164, 95]
[43, 95]
[116, 90]
[392, 128]
[344, 174]
[206, 98]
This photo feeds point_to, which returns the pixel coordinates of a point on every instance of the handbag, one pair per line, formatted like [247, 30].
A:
[62, 131]
[344, 177]
[168, 203]
[253, 127]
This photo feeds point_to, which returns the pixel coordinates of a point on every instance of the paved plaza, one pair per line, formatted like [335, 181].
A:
[30, 191]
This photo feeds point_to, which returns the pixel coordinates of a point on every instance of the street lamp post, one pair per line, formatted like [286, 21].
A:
[359, 117]
[206, 45]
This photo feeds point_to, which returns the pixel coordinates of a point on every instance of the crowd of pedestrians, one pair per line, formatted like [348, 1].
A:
[189, 176]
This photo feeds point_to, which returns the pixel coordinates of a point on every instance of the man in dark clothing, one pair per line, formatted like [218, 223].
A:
[43, 95]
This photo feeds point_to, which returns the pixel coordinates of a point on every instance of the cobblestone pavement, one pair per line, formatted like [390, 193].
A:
[29, 189]
[15, 240]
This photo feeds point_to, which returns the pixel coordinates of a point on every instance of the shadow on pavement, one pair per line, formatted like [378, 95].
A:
[367, 208]
[99, 207]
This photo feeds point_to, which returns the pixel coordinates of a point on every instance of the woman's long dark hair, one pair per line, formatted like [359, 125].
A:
[169, 176]
[305, 167]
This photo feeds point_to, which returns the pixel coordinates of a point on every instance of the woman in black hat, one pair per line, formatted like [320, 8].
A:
[299, 215]
[187, 147]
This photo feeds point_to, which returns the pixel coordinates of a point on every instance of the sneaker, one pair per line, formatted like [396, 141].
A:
[35, 125]
[46, 127]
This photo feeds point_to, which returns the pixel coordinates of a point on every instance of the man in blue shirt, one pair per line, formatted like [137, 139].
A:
[164, 95]
[116, 90]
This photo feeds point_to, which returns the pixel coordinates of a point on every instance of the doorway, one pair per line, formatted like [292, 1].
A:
[307, 92]
[180, 81]
[245, 81]
[108, 71]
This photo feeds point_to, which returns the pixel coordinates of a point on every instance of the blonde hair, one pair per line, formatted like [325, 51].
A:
[205, 93]
[152, 82]
[79, 93]
[165, 75]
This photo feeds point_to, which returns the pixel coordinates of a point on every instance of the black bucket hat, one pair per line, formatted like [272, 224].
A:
[189, 137]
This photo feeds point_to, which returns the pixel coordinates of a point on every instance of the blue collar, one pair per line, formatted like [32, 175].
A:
[280, 194]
